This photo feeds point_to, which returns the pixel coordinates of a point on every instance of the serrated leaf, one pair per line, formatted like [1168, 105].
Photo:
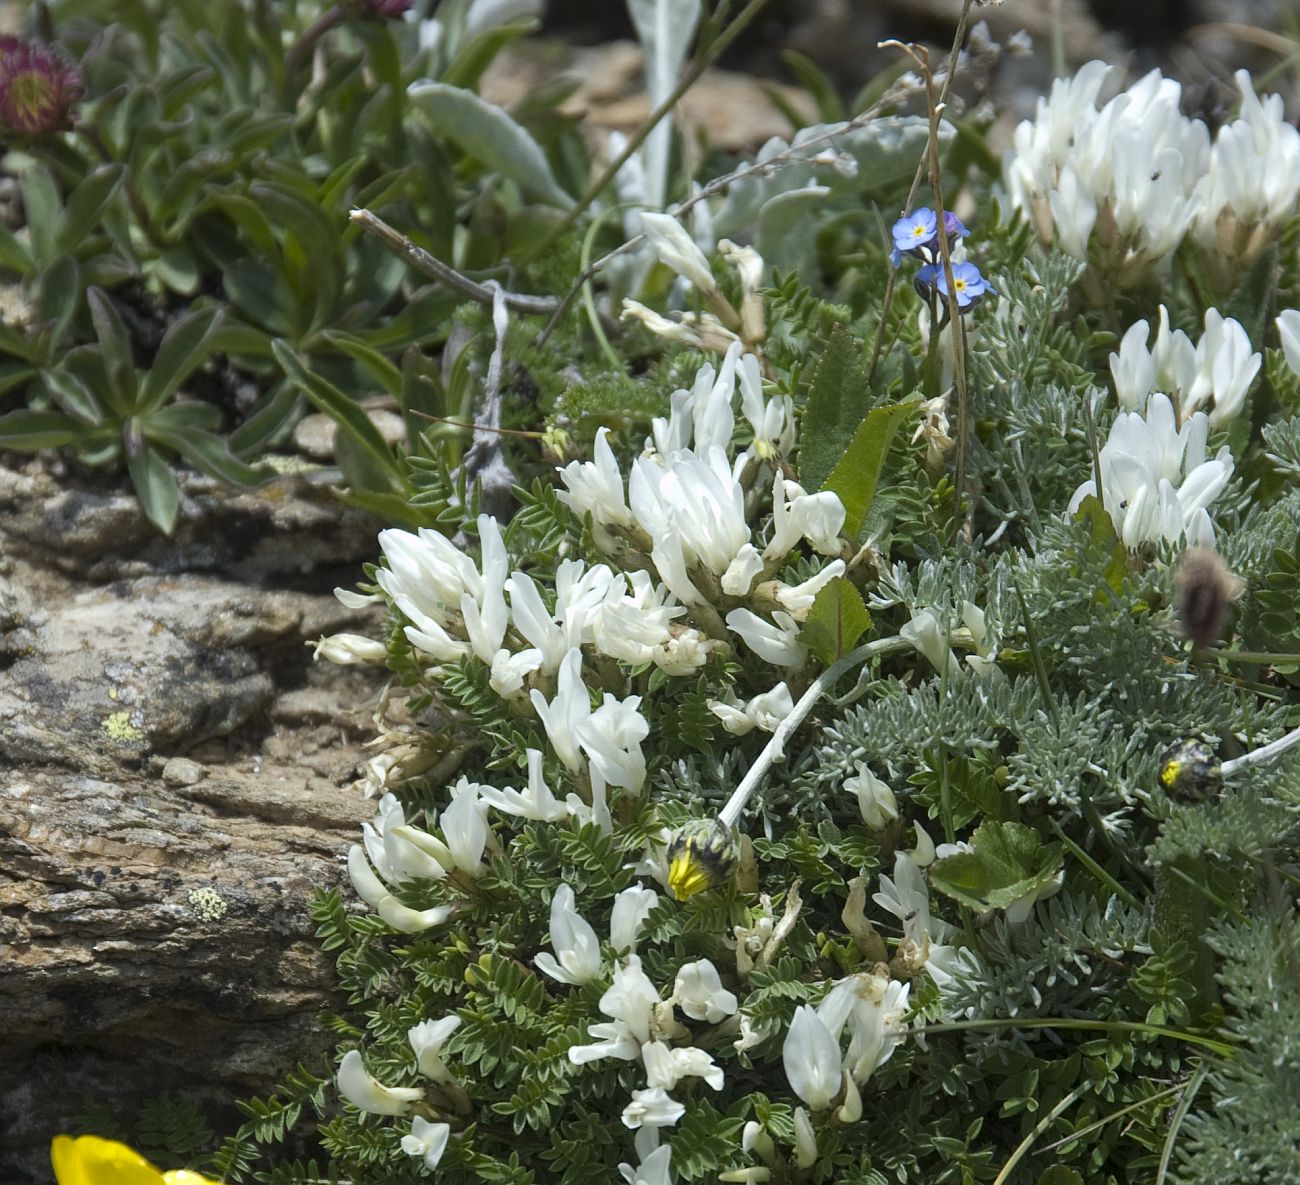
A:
[836, 406]
[857, 473]
[1010, 863]
[490, 136]
[836, 621]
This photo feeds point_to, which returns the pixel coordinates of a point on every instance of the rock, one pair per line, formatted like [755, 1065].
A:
[175, 786]
[181, 771]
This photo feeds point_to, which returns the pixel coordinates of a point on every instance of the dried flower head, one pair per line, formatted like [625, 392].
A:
[1204, 593]
[38, 88]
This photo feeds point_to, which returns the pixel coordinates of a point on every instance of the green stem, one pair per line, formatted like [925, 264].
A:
[307, 42]
[1222, 1048]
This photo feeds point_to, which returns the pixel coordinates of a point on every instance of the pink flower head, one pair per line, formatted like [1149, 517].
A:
[38, 88]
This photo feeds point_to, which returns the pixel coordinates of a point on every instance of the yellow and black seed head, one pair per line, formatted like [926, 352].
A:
[1189, 769]
[703, 855]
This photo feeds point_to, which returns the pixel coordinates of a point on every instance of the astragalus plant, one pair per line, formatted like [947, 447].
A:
[858, 759]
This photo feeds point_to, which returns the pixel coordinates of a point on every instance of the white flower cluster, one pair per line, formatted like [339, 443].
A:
[1136, 177]
[642, 1024]
[1156, 478]
[426, 1140]
[1216, 372]
[686, 504]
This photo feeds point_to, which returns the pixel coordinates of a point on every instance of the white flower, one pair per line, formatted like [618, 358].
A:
[464, 827]
[1133, 369]
[775, 641]
[655, 1169]
[1218, 370]
[798, 515]
[973, 618]
[1020, 909]
[876, 800]
[665, 1066]
[765, 711]
[675, 247]
[693, 508]
[350, 650]
[596, 487]
[427, 1039]
[395, 855]
[771, 419]
[631, 908]
[923, 633]
[805, 1142]
[872, 1005]
[1288, 329]
[631, 1001]
[1074, 211]
[652, 1108]
[575, 942]
[1155, 476]
[799, 598]
[363, 1092]
[509, 671]
[611, 737]
[426, 1140]
[811, 1056]
[426, 575]
[537, 802]
[699, 992]
[566, 712]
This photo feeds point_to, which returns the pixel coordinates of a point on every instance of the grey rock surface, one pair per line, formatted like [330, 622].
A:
[174, 786]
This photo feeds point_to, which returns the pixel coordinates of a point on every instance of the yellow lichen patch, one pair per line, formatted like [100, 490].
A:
[208, 904]
[118, 726]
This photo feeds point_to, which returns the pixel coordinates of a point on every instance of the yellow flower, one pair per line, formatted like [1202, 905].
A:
[702, 856]
[90, 1160]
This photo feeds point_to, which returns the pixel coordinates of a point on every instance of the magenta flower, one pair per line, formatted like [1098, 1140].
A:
[38, 88]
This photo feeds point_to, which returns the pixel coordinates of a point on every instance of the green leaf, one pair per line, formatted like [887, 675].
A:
[1010, 863]
[787, 228]
[343, 411]
[1060, 1174]
[1254, 295]
[114, 351]
[856, 475]
[32, 430]
[822, 89]
[490, 136]
[207, 452]
[155, 485]
[43, 211]
[58, 300]
[73, 395]
[836, 406]
[13, 254]
[836, 621]
[467, 66]
[1104, 543]
[381, 370]
[186, 345]
[87, 203]
[312, 262]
